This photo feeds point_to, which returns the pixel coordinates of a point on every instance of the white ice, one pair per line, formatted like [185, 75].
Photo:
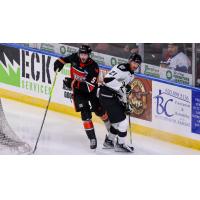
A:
[64, 134]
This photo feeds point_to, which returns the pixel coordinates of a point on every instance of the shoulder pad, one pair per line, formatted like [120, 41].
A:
[74, 54]
[122, 67]
[74, 57]
[94, 62]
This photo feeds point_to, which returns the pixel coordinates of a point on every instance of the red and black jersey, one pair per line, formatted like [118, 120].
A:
[84, 76]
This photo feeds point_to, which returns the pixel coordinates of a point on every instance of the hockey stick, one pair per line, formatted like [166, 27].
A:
[130, 131]
[129, 121]
[129, 115]
[51, 92]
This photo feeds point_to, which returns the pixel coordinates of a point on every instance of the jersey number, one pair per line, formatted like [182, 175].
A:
[112, 73]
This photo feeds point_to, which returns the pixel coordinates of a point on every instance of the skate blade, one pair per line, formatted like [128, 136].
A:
[121, 151]
[93, 150]
[124, 151]
[104, 147]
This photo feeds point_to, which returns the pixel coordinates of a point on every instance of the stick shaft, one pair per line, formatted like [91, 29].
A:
[47, 107]
[130, 131]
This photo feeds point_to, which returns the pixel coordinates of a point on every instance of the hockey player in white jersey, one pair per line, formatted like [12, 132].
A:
[113, 97]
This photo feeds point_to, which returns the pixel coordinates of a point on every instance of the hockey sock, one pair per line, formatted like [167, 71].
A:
[111, 136]
[89, 129]
[122, 137]
[113, 133]
[121, 140]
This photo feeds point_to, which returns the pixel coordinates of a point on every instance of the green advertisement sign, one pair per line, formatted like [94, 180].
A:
[10, 66]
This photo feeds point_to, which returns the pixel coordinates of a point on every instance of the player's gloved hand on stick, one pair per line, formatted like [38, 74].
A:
[128, 108]
[128, 89]
[58, 65]
[123, 93]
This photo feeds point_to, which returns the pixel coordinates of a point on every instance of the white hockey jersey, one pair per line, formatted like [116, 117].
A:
[118, 78]
[178, 61]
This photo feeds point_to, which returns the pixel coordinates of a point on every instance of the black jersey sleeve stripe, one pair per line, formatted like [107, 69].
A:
[108, 79]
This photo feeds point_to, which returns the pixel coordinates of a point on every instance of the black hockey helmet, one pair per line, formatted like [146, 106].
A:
[136, 58]
[85, 49]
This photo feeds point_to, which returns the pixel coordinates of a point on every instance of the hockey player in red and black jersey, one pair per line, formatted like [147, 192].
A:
[113, 97]
[83, 82]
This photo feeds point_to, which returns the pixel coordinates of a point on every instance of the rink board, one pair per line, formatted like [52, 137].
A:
[163, 110]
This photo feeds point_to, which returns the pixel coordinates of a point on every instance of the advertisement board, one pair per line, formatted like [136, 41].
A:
[32, 73]
[196, 112]
[65, 50]
[141, 99]
[171, 108]
[167, 74]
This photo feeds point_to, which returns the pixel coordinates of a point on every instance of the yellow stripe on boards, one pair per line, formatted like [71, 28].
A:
[139, 129]
[38, 102]
[166, 136]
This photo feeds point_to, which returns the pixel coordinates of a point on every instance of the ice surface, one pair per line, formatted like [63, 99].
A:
[63, 134]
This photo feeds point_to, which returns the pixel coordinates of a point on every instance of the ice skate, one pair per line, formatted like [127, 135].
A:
[93, 143]
[123, 147]
[108, 144]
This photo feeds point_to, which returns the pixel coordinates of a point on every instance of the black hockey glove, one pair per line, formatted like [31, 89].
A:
[128, 89]
[58, 65]
[67, 83]
[128, 108]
